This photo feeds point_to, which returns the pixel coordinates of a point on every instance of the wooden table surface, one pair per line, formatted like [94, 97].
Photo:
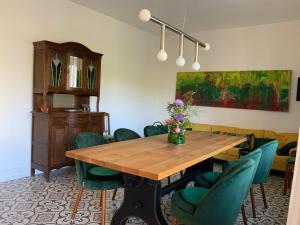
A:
[155, 158]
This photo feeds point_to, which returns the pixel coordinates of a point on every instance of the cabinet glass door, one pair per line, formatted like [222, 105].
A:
[56, 69]
[91, 74]
[75, 72]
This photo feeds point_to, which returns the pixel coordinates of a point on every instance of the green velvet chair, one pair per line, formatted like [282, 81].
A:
[263, 171]
[94, 177]
[152, 130]
[208, 179]
[219, 205]
[260, 177]
[123, 134]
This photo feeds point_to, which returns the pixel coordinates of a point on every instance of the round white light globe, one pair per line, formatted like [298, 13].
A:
[180, 61]
[162, 55]
[196, 66]
[145, 15]
[207, 46]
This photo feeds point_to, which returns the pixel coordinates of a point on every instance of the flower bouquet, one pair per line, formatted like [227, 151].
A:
[179, 118]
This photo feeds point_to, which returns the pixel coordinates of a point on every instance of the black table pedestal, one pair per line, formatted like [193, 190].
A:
[142, 200]
[142, 196]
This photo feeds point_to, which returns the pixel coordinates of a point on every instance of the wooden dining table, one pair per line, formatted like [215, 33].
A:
[145, 162]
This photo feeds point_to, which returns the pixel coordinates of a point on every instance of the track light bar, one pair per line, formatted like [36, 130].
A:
[146, 16]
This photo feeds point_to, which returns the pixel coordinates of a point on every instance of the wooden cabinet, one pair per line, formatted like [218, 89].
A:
[67, 68]
[53, 135]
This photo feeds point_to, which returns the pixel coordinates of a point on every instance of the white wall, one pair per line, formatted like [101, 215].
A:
[266, 47]
[293, 216]
[128, 87]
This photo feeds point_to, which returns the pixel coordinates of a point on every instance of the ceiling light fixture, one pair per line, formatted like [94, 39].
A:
[180, 61]
[196, 64]
[162, 54]
[145, 16]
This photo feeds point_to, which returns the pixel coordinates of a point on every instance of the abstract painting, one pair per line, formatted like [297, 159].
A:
[261, 90]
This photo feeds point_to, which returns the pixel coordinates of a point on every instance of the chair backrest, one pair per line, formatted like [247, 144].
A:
[222, 203]
[255, 155]
[156, 128]
[265, 164]
[88, 139]
[153, 130]
[123, 134]
[83, 140]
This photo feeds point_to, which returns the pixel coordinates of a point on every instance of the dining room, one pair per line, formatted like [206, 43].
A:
[149, 112]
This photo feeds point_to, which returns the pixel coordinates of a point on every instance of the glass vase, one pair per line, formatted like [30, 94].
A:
[176, 138]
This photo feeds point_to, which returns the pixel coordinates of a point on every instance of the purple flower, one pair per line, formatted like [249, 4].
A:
[179, 117]
[178, 102]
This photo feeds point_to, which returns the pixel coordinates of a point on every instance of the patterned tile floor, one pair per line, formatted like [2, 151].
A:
[31, 200]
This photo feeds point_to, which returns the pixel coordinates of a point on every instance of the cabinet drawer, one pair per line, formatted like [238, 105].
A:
[96, 124]
[96, 120]
[59, 120]
[73, 119]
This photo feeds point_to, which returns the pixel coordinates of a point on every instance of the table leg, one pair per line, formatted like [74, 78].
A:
[142, 200]
[142, 196]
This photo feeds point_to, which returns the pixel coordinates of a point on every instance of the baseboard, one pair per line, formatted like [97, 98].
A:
[14, 173]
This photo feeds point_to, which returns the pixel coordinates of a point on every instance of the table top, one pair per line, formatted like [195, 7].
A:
[155, 158]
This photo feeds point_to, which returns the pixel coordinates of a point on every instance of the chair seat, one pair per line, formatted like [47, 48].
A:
[102, 183]
[207, 180]
[184, 203]
[102, 171]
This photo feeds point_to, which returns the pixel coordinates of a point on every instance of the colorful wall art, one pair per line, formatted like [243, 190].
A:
[261, 90]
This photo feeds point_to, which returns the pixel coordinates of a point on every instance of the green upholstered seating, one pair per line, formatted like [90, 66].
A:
[153, 130]
[263, 171]
[96, 182]
[208, 179]
[88, 139]
[268, 151]
[94, 177]
[123, 134]
[156, 128]
[265, 164]
[202, 206]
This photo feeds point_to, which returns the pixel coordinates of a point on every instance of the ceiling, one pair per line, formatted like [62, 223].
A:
[201, 15]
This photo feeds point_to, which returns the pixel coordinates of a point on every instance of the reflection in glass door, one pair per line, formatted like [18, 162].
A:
[75, 72]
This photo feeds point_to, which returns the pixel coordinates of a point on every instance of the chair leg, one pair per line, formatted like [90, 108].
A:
[286, 180]
[114, 194]
[263, 195]
[289, 179]
[252, 202]
[290, 176]
[103, 209]
[244, 214]
[174, 221]
[76, 203]
[169, 180]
